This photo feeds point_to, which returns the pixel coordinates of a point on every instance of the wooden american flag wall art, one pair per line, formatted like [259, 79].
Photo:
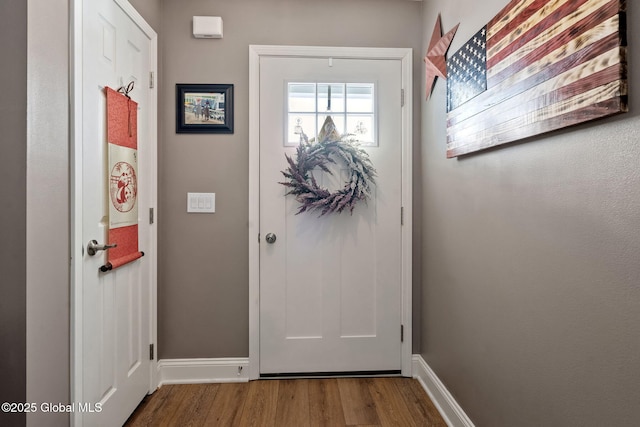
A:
[537, 66]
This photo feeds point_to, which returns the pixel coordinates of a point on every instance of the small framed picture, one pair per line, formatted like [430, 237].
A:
[204, 108]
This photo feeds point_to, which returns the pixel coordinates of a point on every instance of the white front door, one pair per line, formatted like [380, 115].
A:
[113, 322]
[330, 286]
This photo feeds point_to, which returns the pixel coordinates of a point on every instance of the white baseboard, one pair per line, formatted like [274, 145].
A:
[200, 371]
[450, 410]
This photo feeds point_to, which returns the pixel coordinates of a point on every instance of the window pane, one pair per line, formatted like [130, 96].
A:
[337, 97]
[360, 97]
[338, 119]
[302, 97]
[307, 123]
[362, 127]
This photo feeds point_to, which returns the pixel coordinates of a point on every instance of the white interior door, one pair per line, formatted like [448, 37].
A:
[330, 286]
[114, 326]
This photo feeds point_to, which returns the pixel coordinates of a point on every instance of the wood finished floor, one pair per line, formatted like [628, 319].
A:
[297, 403]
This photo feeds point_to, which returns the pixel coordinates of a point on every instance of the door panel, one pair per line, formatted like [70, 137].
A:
[330, 286]
[116, 315]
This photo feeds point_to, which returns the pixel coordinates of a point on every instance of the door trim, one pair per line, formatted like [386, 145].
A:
[76, 118]
[255, 53]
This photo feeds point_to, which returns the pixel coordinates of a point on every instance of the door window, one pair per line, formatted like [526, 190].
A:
[352, 107]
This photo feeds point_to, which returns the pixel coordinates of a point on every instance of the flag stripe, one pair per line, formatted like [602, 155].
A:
[549, 64]
[529, 24]
[539, 23]
[510, 12]
[561, 33]
[584, 114]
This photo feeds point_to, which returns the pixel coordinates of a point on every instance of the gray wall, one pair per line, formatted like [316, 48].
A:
[531, 261]
[150, 11]
[203, 264]
[13, 261]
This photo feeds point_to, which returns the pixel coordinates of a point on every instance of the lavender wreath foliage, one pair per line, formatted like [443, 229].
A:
[320, 154]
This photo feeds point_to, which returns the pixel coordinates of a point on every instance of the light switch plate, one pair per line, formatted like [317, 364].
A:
[201, 202]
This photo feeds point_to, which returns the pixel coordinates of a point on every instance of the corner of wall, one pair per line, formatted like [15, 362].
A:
[48, 208]
[447, 405]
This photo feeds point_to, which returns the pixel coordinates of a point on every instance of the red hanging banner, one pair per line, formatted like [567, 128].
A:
[122, 138]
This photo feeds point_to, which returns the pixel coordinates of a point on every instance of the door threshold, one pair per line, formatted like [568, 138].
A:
[339, 374]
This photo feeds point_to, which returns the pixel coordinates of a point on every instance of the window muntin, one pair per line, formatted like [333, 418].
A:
[352, 107]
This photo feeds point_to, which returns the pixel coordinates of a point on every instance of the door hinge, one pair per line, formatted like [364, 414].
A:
[258, 237]
[402, 97]
[150, 215]
[150, 351]
[401, 333]
[401, 215]
[151, 82]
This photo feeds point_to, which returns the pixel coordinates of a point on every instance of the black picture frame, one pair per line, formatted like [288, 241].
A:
[194, 101]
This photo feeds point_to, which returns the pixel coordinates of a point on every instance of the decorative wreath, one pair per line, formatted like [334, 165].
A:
[328, 148]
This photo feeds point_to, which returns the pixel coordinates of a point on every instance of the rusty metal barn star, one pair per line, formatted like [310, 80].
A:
[436, 65]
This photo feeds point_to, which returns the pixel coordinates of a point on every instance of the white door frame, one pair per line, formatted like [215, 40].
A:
[75, 65]
[255, 53]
